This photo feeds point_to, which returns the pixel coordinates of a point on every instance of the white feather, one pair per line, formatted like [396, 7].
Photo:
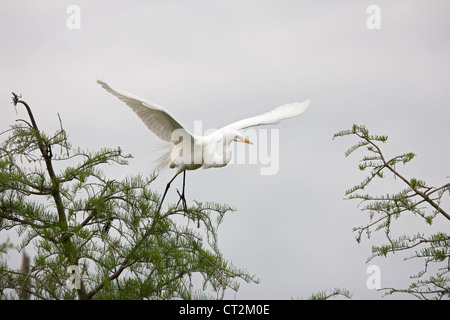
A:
[163, 125]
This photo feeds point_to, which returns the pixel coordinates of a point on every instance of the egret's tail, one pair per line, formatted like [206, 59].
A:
[165, 160]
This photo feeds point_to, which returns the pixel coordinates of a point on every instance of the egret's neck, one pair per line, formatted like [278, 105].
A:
[223, 159]
[226, 152]
[218, 158]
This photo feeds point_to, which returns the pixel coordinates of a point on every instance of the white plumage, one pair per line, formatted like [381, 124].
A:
[192, 151]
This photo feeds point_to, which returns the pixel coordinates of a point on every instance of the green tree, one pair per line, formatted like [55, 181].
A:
[329, 294]
[385, 212]
[99, 238]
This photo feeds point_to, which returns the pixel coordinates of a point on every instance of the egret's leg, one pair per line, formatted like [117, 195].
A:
[182, 194]
[182, 197]
[165, 192]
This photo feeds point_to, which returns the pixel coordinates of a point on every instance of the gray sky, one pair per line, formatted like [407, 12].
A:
[221, 61]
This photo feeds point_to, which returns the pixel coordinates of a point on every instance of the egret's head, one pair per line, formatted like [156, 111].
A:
[233, 135]
[240, 138]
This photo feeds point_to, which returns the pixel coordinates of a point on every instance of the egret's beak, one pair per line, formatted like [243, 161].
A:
[245, 140]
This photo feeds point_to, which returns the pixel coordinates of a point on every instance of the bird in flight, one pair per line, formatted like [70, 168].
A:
[187, 151]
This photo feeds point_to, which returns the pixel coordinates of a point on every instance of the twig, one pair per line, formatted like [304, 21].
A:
[221, 276]
[387, 165]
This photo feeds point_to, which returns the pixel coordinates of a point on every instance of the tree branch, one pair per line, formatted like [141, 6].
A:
[387, 165]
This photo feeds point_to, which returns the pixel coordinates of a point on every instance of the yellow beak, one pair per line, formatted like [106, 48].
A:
[245, 140]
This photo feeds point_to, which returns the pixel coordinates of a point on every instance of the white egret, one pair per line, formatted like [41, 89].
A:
[188, 151]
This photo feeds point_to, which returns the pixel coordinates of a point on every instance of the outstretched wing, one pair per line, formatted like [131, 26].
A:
[155, 117]
[272, 117]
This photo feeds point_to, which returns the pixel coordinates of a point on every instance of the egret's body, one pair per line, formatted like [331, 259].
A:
[187, 151]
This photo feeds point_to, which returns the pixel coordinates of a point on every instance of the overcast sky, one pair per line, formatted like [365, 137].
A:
[221, 61]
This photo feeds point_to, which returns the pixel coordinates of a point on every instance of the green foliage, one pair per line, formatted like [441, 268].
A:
[418, 198]
[326, 295]
[124, 247]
